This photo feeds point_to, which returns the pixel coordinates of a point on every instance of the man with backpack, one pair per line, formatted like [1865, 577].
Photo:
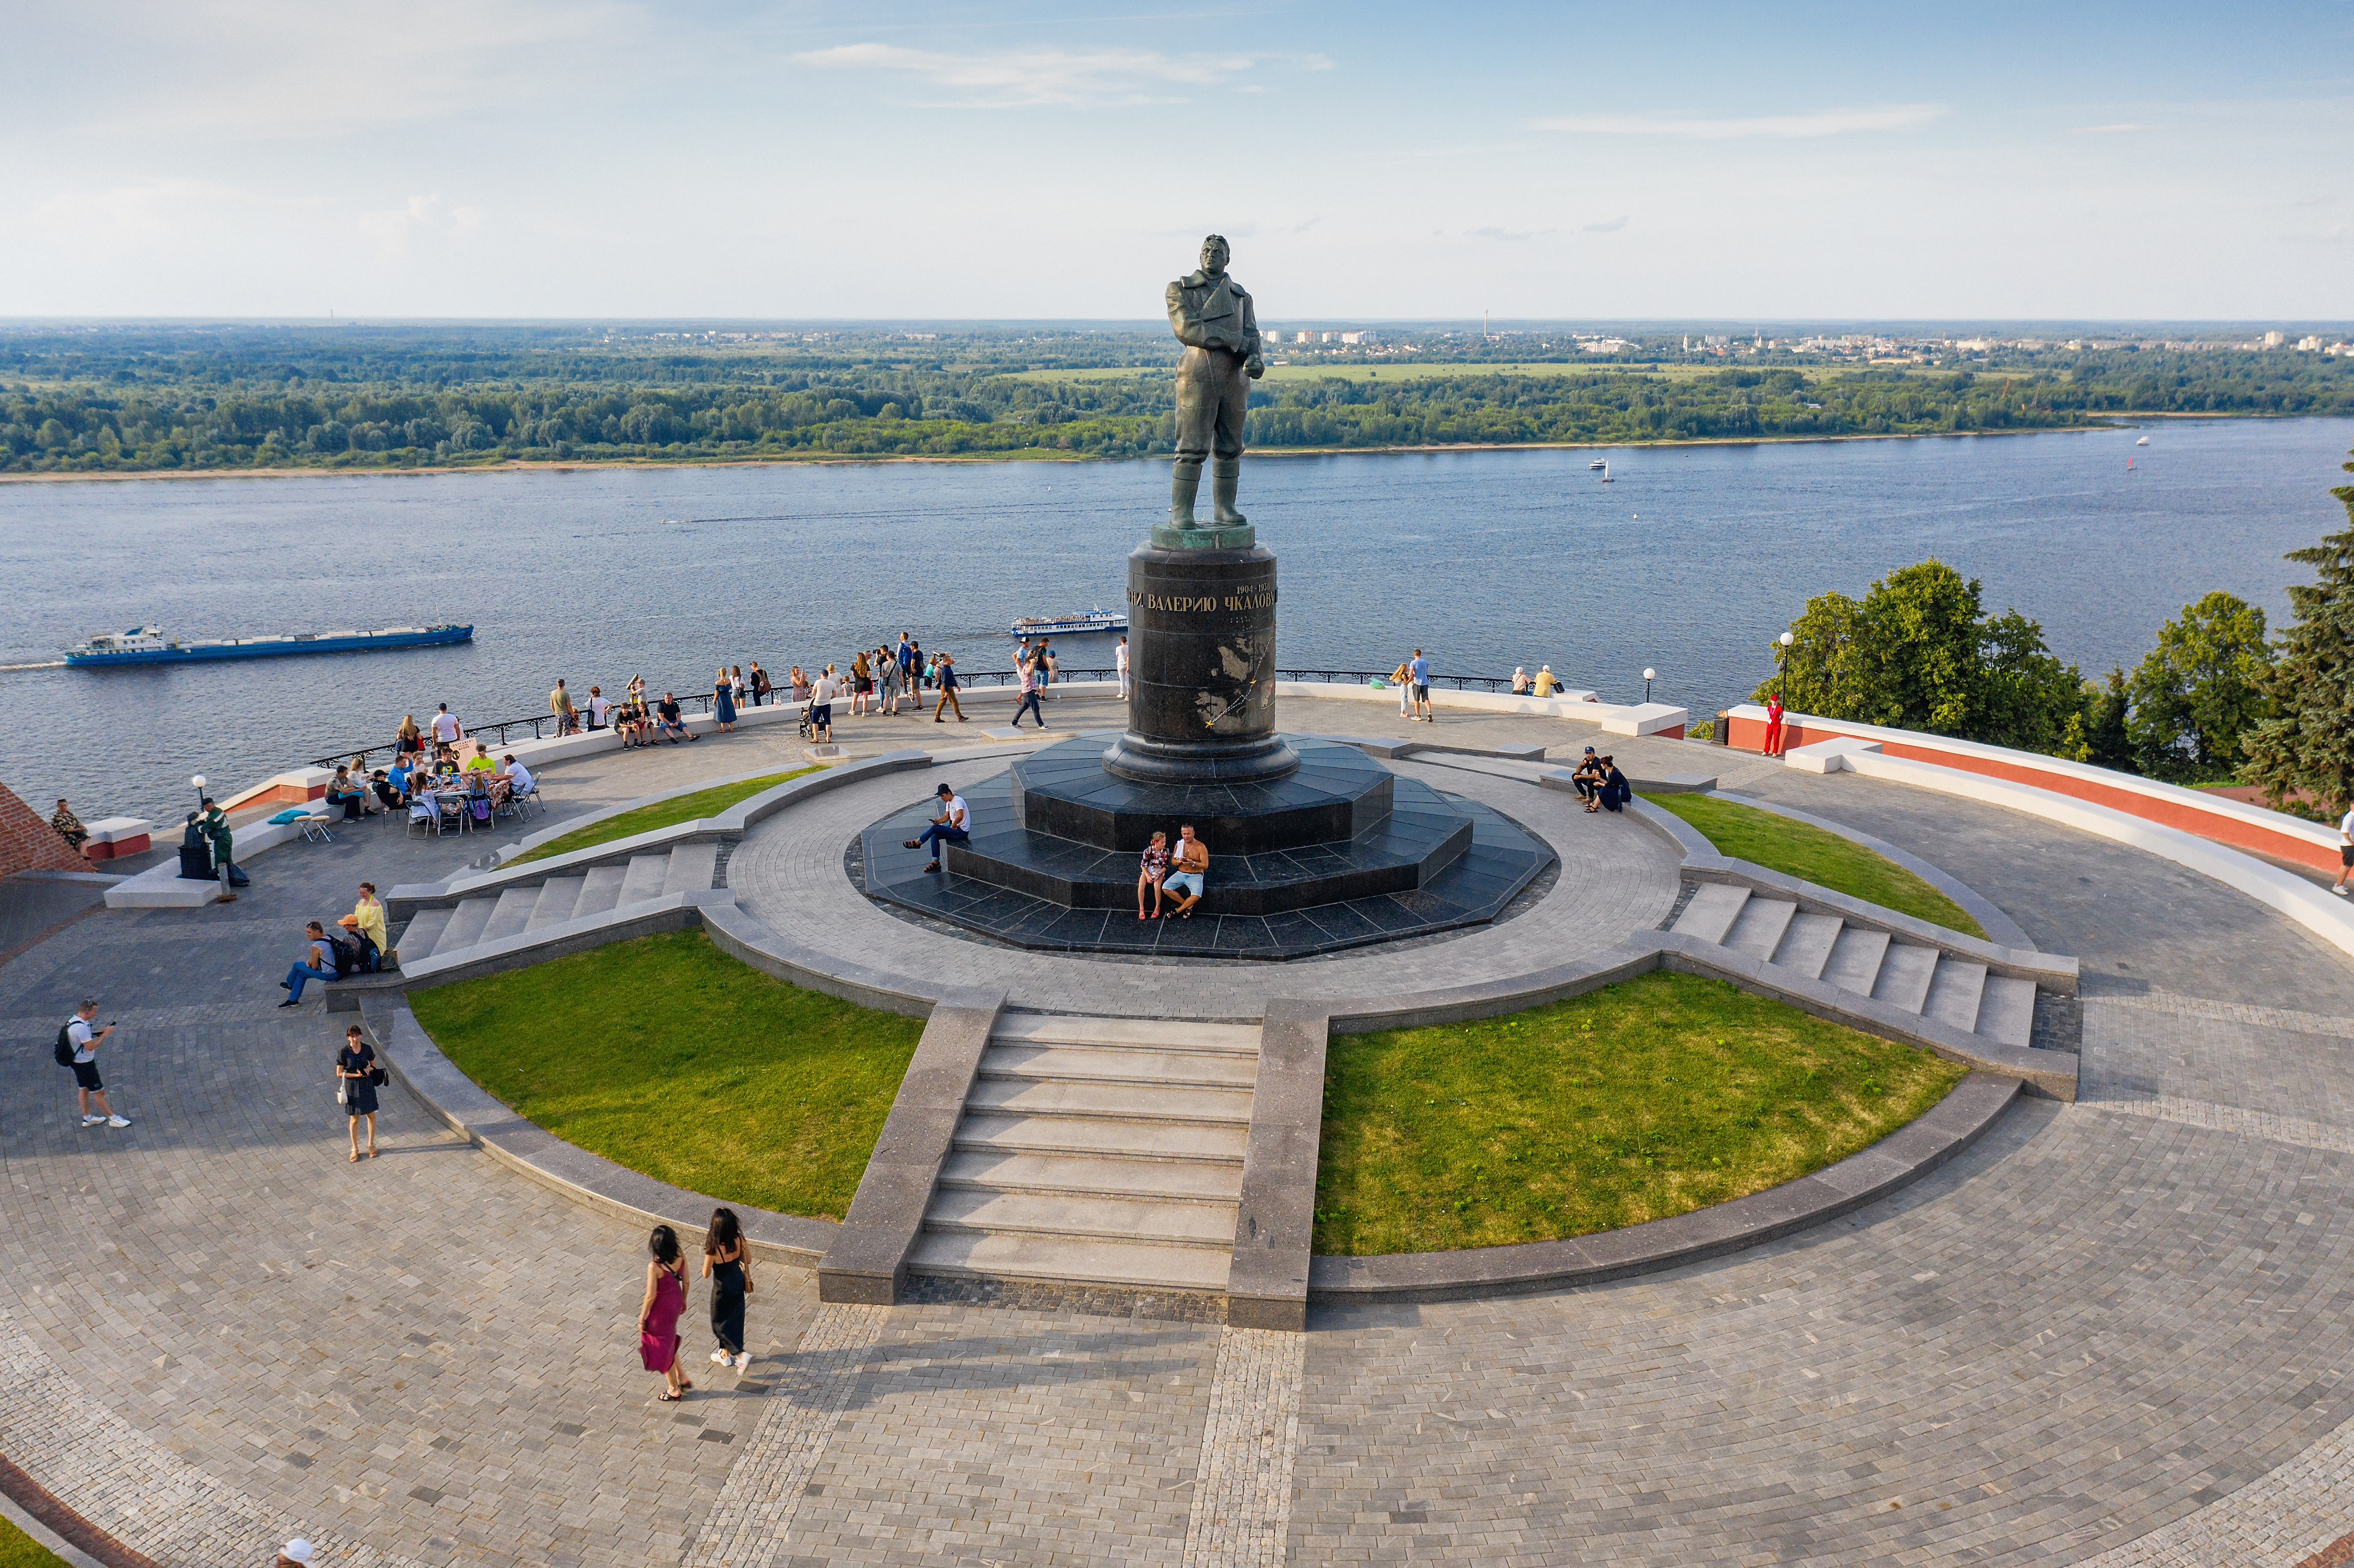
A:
[77, 1049]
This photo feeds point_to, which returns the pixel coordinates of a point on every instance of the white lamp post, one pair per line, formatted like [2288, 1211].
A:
[198, 781]
[1649, 675]
[1784, 682]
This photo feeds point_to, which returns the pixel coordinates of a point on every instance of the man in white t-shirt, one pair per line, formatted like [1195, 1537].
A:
[951, 827]
[89, 1089]
[820, 715]
[447, 730]
[598, 707]
[2345, 851]
[1120, 658]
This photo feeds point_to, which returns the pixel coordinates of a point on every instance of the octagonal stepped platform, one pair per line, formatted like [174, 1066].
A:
[1958, 993]
[1098, 1151]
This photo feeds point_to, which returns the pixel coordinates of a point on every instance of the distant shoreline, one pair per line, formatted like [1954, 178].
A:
[569, 465]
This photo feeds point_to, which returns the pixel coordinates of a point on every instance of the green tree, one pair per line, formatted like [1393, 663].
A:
[1919, 653]
[2307, 743]
[2099, 736]
[2200, 691]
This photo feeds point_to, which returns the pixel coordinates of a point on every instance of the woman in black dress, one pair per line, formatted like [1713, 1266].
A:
[356, 1070]
[728, 1266]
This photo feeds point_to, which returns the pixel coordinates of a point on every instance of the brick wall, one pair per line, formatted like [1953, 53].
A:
[27, 842]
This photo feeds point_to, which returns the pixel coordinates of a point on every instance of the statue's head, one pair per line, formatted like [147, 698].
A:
[1214, 252]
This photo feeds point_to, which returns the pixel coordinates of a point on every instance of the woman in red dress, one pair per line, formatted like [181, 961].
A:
[658, 1313]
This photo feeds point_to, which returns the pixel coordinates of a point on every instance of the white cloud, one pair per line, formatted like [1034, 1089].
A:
[1611, 225]
[2109, 130]
[1826, 122]
[1492, 232]
[425, 215]
[1046, 78]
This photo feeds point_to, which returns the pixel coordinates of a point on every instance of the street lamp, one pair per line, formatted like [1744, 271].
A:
[198, 781]
[1649, 675]
[1783, 681]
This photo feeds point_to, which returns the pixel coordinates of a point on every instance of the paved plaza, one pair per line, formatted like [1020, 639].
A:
[2112, 1332]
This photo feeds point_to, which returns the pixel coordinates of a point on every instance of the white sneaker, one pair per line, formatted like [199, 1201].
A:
[720, 1356]
[118, 1121]
[2338, 889]
[92, 1120]
[743, 1360]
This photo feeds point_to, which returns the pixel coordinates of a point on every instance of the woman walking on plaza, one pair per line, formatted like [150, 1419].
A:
[723, 703]
[355, 1072]
[728, 1266]
[658, 1313]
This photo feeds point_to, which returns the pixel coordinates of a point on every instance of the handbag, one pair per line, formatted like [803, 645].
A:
[378, 1078]
[343, 1089]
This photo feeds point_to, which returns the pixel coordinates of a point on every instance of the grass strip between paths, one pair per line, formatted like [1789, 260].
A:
[661, 814]
[1779, 844]
[668, 1056]
[18, 1549]
[1636, 1102]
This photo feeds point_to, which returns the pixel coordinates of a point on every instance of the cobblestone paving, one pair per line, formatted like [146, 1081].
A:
[2115, 1333]
[1617, 877]
[1242, 1506]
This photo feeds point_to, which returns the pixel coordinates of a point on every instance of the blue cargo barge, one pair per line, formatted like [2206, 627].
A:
[147, 645]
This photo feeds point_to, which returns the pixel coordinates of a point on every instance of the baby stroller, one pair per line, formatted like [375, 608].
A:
[807, 704]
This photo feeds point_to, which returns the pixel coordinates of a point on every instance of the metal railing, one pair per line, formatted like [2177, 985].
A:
[542, 725]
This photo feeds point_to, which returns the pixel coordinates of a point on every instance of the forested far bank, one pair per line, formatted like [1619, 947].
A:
[443, 400]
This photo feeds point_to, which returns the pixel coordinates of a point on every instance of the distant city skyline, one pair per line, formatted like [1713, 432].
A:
[1373, 164]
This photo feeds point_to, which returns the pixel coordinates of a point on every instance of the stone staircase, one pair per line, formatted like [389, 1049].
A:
[522, 908]
[1098, 1151]
[1926, 981]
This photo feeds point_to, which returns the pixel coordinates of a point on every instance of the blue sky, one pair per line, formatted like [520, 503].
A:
[591, 157]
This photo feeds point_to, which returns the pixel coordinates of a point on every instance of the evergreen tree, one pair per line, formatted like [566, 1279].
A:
[2308, 743]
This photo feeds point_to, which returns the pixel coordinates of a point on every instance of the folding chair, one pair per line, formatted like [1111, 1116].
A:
[423, 809]
[314, 827]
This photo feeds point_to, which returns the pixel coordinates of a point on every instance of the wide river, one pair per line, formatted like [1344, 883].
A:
[1690, 561]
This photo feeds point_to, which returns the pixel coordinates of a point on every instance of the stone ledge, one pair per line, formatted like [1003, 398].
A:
[673, 912]
[459, 1103]
[1902, 1158]
[1267, 1279]
[867, 1262]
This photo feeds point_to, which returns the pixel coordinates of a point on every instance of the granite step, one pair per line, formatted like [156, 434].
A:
[1012, 1132]
[508, 917]
[1757, 930]
[557, 895]
[1856, 956]
[1127, 1218]
[644, 880]
[1904, 976]
[1083, 1260]
[466, 923]
[2006, 1010]
[1956, 991]
[1100, 1065]
[1167, 1035]
[1186, 1105]
[1091, 1175]
[691, 868]
[1711, 914]
[600, 891]
[424, 928]
[1807, 945]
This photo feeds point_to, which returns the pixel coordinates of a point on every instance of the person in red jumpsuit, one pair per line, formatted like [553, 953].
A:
[1774, 724]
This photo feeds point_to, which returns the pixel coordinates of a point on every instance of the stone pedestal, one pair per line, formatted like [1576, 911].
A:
[1201, 665]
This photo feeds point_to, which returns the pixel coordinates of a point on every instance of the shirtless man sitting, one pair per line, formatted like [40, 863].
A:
[1192, 864]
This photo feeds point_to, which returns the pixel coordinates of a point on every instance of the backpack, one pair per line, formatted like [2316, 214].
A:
[65, 1046]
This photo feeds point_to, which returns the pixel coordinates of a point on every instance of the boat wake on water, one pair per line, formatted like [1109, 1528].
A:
[44, 664]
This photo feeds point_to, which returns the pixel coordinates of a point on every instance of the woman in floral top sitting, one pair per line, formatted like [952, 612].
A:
[1156, 866]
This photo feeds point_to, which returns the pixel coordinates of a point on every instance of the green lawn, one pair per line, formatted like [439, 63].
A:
[661, 814]
[1826, 859]
[668, 1056]
[1649, 1099]
[18, 1549]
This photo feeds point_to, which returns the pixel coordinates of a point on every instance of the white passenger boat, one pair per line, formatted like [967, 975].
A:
[1067, 625]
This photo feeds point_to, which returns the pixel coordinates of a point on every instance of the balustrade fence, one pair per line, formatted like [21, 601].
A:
[543, 726]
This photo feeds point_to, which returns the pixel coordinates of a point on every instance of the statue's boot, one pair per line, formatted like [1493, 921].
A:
[1225, 475]
[1185, 484]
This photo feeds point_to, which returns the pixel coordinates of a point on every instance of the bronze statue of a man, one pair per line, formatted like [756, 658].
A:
[1212, 317]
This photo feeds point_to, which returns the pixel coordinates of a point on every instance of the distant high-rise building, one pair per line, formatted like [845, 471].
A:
[2274, 339]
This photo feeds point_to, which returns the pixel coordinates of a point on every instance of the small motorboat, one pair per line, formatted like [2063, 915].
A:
[1598, 462]
[2142, 442]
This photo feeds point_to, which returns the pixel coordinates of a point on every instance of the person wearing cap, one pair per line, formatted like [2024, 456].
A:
[296, 1553]
[214, 824]
[951, 827]
[1588, 780]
